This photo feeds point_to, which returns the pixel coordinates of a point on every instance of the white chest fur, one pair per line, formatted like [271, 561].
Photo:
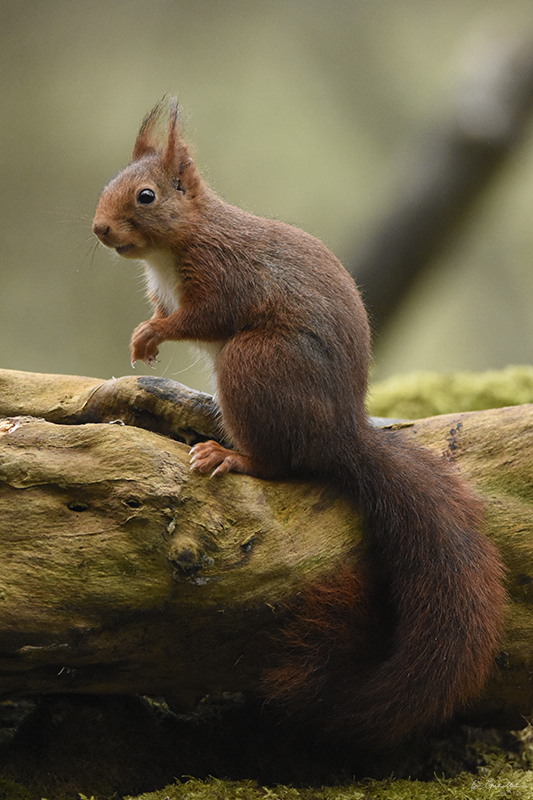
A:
[163, 279]
[163, 283]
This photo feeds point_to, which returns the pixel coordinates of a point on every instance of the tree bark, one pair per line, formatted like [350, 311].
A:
[121, 571]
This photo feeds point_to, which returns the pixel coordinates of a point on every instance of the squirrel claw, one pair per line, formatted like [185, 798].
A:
[150, 361]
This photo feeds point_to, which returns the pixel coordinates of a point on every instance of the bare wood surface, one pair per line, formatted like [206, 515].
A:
[122, 571]
[156, 404]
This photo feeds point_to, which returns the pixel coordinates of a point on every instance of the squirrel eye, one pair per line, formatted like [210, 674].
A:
[146, 196]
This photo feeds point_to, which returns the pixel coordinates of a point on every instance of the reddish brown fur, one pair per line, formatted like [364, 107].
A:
[293, 344]
[328, 625]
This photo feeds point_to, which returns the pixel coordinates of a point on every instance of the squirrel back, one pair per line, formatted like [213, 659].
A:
[291, 345]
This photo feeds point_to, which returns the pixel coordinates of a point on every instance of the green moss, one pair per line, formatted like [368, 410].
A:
[508, 785]
[9, 790]
[425, 394]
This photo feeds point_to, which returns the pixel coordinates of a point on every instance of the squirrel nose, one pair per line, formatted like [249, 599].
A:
[100, 229]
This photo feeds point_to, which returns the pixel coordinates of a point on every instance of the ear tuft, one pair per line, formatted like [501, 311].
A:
[174, 148]
[160, 134]
[175, 158]
[150, 139]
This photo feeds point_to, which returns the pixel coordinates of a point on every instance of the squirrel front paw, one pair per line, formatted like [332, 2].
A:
[144, 343]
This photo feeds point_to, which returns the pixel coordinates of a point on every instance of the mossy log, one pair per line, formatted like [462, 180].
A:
[123, 572]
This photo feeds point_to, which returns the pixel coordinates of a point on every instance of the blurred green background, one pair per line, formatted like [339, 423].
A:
[302, 110]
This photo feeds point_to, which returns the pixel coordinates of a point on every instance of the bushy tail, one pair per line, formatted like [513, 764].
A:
[445, 595]
[445, 580]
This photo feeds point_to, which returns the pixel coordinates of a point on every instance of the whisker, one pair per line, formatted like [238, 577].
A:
[90, 253]
[189, 366]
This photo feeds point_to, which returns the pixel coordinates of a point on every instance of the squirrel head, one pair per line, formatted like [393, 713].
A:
[147, 205]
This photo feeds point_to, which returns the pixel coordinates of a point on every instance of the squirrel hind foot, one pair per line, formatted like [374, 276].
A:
[212, 457]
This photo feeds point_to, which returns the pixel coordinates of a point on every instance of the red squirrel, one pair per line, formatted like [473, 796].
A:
[290, 341]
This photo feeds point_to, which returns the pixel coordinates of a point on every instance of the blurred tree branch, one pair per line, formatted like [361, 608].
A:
[452, 167]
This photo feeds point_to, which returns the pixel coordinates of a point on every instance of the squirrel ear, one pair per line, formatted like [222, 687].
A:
[148, 141]
[173, 151]
[175, 156]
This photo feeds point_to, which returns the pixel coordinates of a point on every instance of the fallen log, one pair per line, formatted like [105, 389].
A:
[123, 572]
